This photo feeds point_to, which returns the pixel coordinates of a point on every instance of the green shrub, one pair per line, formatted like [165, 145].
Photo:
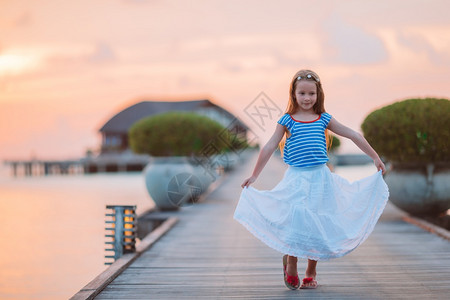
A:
[180, 134]
[335, 143]
[411, 131]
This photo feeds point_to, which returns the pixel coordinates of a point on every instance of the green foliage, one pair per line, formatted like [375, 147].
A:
[411, 131]
[335, 143]
[181, 134]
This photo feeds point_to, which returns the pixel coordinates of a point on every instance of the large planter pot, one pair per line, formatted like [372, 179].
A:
[171, 182]
[421, 190]
[174, 181]
[227, 160]
[206, 175]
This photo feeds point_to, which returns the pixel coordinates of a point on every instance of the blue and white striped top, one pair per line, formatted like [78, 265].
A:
[306, 145]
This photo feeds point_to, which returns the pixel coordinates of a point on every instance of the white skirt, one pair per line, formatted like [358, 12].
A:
[313, 213]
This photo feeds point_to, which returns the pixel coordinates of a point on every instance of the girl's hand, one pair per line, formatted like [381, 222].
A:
[380, 165]
[248, 181]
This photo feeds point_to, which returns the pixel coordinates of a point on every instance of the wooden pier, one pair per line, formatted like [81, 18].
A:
[37, 167]
[208, 255]
[107, 163]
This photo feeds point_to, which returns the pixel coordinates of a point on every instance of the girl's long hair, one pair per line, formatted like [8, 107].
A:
[319, 107]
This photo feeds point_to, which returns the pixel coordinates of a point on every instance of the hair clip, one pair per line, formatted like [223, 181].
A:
[308, 76]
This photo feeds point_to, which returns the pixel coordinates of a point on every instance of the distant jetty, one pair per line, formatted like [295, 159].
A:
[106, 163]
[37, 167]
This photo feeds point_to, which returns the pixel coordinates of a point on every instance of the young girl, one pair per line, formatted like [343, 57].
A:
[311, 213]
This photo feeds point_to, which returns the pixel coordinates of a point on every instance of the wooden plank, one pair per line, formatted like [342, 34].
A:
[439, 231]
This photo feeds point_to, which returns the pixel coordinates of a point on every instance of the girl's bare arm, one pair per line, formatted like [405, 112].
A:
[265, 153]
[359, 141]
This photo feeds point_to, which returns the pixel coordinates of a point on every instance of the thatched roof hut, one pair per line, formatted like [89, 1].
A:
[115, 131]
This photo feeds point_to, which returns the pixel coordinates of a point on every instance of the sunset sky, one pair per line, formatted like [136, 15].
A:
[66, 67]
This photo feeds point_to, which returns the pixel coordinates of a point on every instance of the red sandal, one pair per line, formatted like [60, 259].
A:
[309, 283]
[291, 282]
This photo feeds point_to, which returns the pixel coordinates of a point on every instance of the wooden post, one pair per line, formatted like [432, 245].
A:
[14, 169]
[46, 168]
[28, 170]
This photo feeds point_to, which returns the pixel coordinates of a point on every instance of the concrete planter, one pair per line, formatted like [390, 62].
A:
[227, 160]
[174, 181]
[421, 190]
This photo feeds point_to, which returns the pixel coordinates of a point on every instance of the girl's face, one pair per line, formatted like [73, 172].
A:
[306, 94]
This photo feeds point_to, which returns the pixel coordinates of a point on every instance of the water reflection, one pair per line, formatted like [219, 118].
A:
[52, 230]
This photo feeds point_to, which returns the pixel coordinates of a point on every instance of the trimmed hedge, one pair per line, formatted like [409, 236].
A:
[335, 143]
[180, 134]
[411, 131]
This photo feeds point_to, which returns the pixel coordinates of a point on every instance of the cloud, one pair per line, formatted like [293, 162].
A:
[232, 66]
[102, 53]
[349, 44]
[23, 20]
[419, 44]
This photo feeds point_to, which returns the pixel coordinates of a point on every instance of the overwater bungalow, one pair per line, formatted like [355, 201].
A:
[115, 131]
[115, 153]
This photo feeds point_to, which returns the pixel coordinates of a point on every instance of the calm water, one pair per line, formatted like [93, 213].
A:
[52, 228]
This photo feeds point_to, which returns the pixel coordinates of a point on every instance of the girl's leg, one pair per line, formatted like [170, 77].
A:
[291, 279]
[311, 269]
[291, 267]
[307, 282]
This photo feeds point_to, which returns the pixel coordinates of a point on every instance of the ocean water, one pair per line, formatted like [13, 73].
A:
[52, 228]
